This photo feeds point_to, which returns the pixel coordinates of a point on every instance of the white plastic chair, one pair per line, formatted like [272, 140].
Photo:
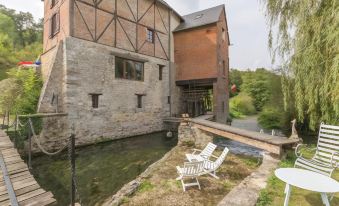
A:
[191, 170]
[203, 155]
[326, 157]
[211, 167]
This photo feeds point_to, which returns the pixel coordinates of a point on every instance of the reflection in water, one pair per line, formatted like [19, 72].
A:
[101, 169]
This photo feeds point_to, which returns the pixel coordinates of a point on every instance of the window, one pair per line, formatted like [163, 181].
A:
[54, 25]
[224, 67]
[129, 69]
[169, 99]
[223, 34]
[139, 103]
[95, 100]
[223, 107]
[53, 3]
[161, 68]
[150, 35]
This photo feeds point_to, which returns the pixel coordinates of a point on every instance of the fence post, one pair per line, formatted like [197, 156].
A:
[15, 128]
[29, 146]
[7, 121]
[73, 169]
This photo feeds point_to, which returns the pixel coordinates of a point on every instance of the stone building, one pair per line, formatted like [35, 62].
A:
[111, 66]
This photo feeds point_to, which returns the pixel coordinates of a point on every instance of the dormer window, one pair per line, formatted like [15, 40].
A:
[199, 16]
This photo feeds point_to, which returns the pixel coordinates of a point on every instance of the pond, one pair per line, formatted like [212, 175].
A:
[101, 169]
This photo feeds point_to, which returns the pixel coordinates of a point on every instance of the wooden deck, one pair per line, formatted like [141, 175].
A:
[17, 185]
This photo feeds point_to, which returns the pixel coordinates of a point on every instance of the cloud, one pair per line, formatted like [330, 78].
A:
[35, 7]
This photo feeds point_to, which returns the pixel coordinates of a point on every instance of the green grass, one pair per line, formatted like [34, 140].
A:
[273, 194]
[145, 186]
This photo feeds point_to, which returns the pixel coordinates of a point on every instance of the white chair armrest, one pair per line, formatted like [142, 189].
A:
[298, 148]
[333, 161]
[196, 150]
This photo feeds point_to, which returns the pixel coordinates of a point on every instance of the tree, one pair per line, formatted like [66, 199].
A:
[307, 40]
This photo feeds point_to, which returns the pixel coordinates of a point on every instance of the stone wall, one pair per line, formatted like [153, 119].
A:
[79, 72]
[192, 136]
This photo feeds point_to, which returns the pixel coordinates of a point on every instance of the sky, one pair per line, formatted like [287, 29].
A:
[246, 24]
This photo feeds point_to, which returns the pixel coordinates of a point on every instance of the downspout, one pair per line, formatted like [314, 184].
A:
[170, 64]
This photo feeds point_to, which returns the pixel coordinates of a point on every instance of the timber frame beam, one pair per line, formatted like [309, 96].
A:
[136, 19]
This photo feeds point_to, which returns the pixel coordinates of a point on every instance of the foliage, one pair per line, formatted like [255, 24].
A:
[257, 84]
[241, 105]
[20, 92]
[271, 118]
[307, 40]
[20, 38]
[235, 79]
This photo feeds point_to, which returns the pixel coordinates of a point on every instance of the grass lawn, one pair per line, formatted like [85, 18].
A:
[274, 195]
[161, 188]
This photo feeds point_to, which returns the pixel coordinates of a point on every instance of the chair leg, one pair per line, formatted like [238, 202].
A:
[198, 183]
[183, 185]
[213, 174]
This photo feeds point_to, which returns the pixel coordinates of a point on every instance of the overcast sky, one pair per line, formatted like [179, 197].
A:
[246, 21]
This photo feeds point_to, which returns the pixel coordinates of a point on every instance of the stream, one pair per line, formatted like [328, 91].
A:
[248, 123]
[101, 169]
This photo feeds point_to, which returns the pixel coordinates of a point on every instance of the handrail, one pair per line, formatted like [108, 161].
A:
[42, 115]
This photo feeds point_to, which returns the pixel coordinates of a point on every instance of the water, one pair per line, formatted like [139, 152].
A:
[101, 169]
[249, 123]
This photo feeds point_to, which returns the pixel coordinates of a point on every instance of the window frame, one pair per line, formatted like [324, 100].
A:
[54, 27]
[134, 71]
[161, 71]
[223, 34]
[139, 101]
[53, 3]
[148, 32]
[95, 100]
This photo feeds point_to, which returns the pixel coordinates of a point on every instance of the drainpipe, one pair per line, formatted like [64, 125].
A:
[170, 64]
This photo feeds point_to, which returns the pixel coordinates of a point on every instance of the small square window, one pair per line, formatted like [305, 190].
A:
[150, 35]
[139, 100]
[95, 100]
[161, 68]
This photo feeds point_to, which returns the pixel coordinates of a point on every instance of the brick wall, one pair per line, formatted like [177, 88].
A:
[195, 53]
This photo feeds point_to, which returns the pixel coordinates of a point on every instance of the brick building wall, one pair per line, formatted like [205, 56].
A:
[195, 53]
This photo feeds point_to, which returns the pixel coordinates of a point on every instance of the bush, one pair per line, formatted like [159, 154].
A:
[20, 92]
[271, 118]
[241, 105]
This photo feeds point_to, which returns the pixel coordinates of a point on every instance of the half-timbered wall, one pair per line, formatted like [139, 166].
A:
[123, 24]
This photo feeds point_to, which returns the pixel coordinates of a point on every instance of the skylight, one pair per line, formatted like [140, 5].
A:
[199, 16]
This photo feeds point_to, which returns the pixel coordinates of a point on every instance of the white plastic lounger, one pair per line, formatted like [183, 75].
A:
[211, 167]
[203, 155]
[326, 158]
[191, 170]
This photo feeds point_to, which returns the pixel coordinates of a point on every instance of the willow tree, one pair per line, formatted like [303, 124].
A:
[305, 34]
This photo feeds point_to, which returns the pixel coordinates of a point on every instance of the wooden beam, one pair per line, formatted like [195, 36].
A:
[275, 149]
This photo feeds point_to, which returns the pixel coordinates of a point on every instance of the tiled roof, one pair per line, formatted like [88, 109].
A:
[200, 18]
